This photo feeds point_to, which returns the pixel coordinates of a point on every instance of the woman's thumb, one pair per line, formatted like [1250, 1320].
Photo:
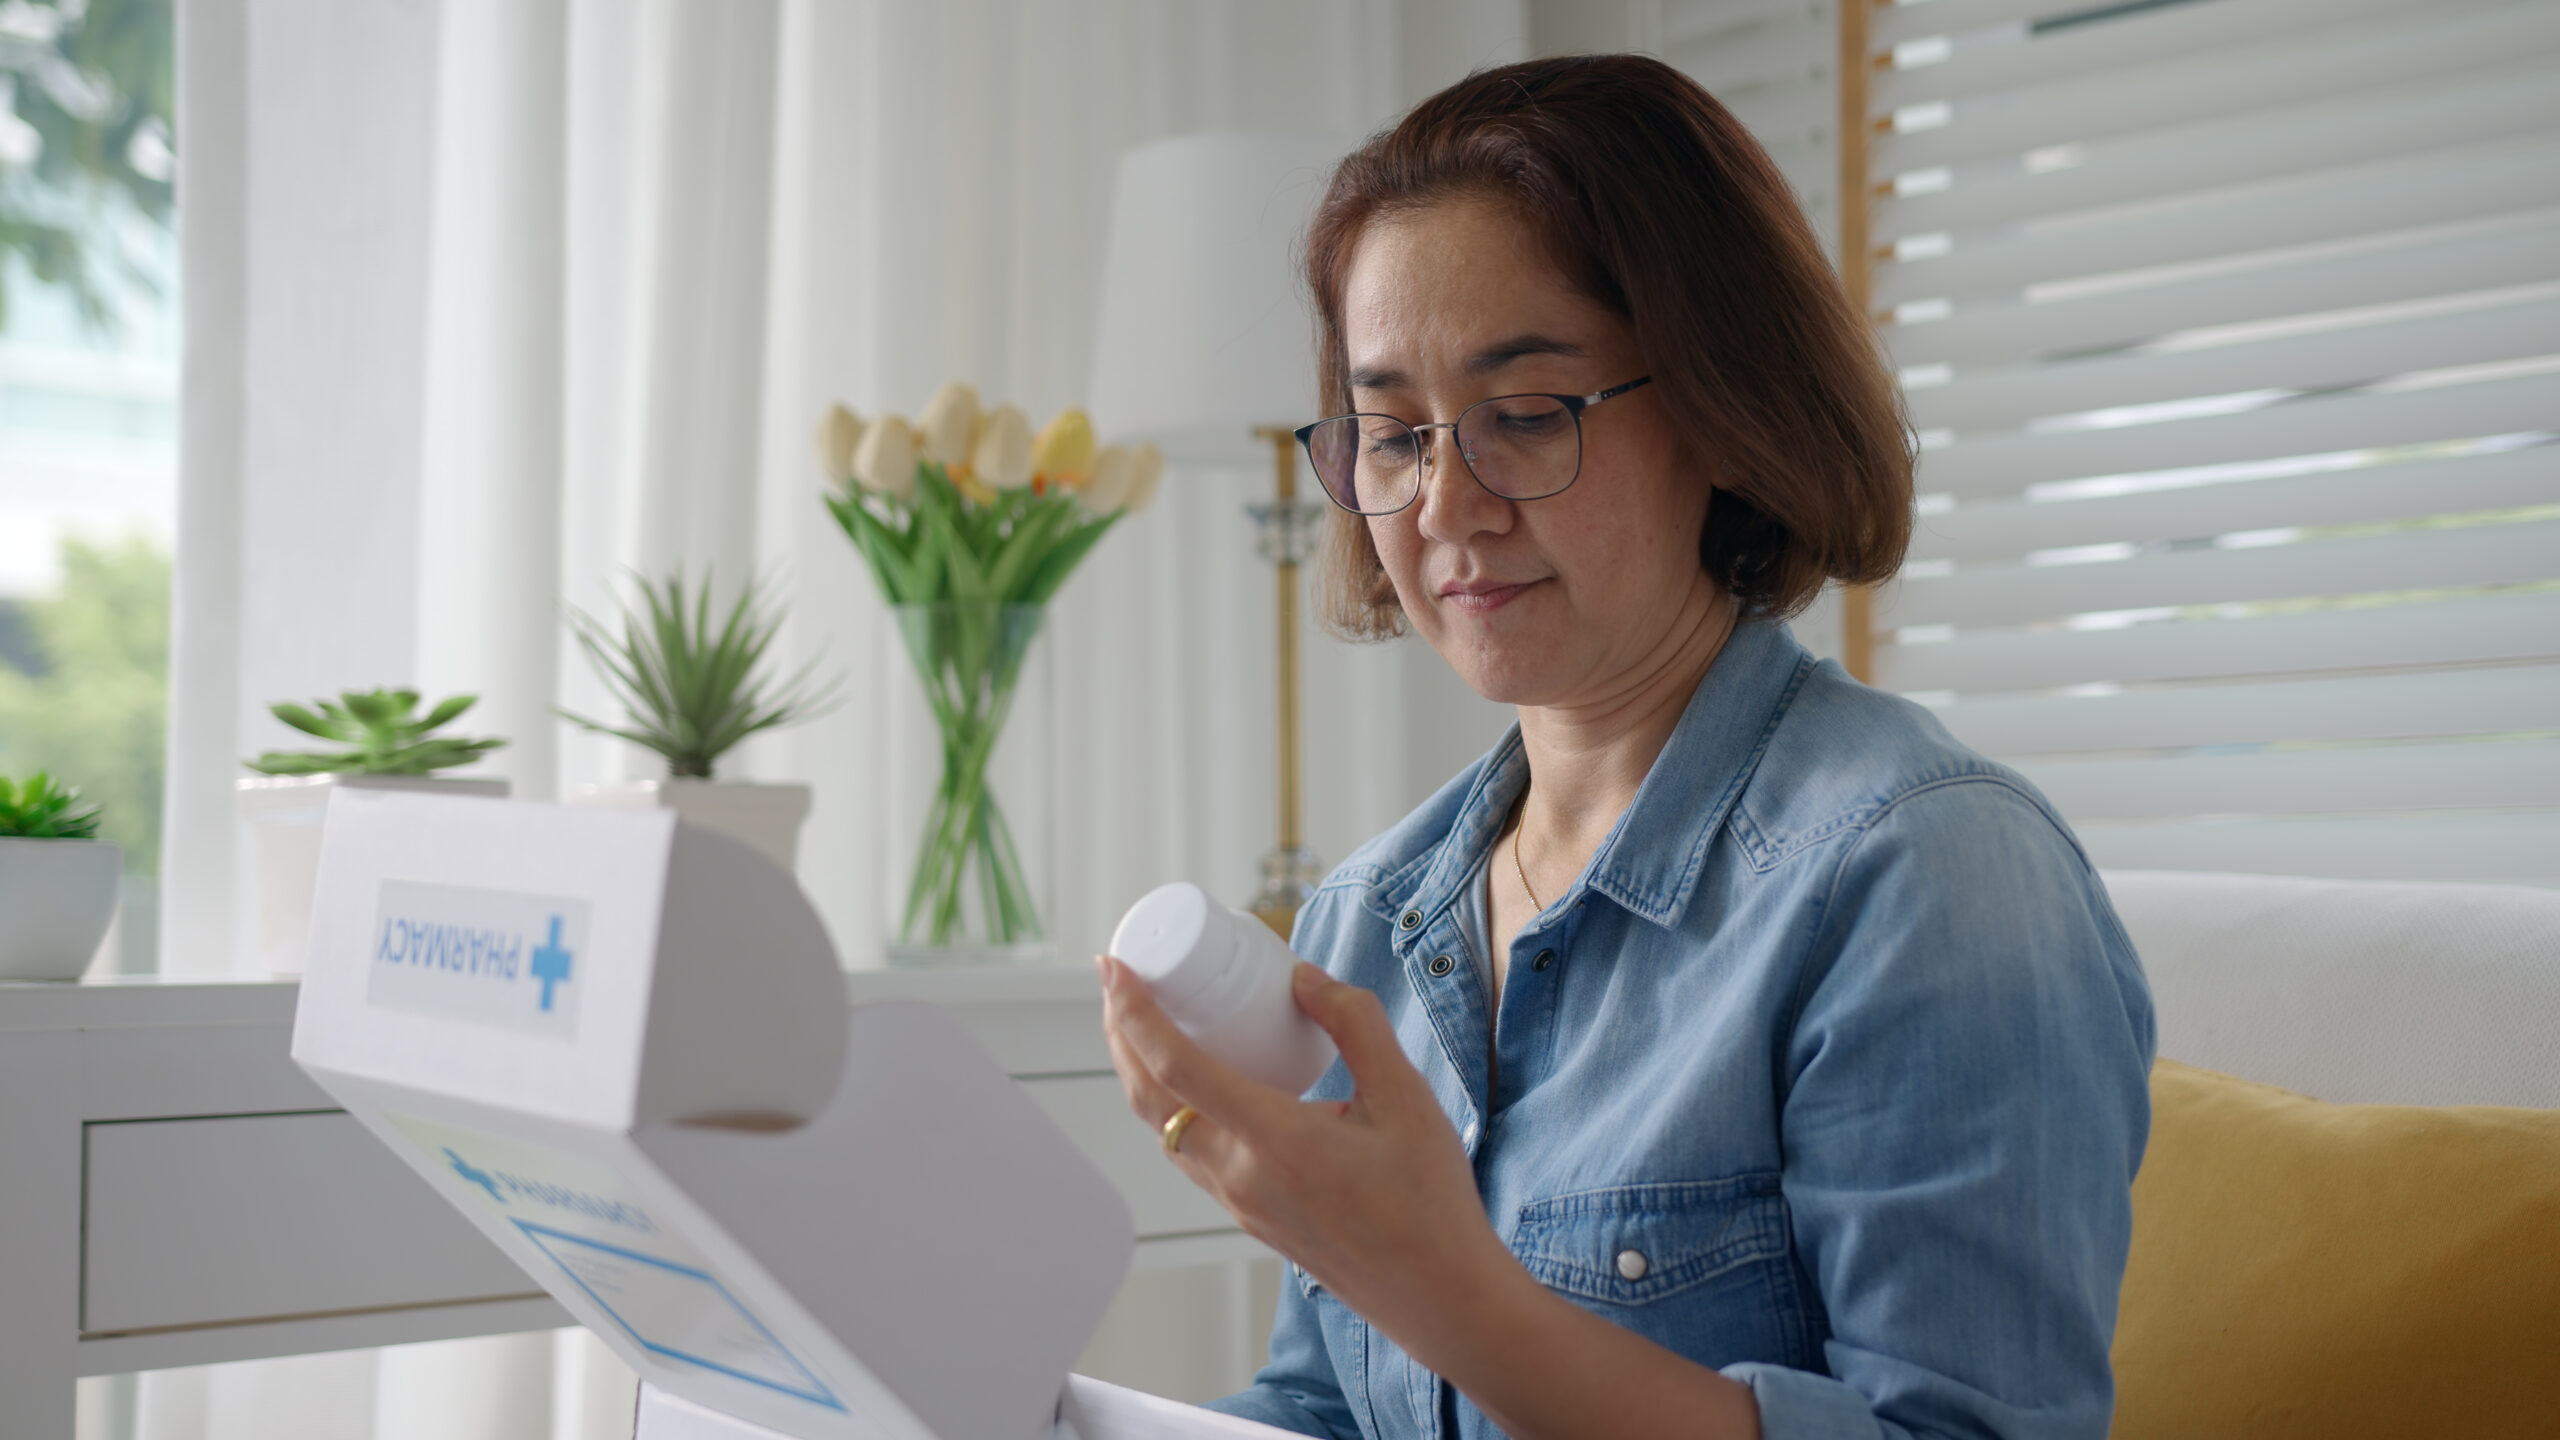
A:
[1357, 1023]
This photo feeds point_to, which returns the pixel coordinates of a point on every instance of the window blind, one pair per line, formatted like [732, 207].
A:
[2230, 332]
[1774, 64]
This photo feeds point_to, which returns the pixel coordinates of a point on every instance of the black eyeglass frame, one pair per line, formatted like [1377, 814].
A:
[1574, 405]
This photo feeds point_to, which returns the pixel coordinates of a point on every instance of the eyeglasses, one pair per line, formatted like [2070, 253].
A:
[1520, 447]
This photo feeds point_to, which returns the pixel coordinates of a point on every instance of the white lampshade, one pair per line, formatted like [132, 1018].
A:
[1205, 329]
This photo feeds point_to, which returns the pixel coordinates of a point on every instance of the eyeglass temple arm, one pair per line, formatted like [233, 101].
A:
[1614, 391]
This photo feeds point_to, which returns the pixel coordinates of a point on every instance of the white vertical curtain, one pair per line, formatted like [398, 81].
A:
[492, 302]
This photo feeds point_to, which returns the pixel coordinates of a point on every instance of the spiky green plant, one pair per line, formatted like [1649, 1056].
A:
[382, 731]
[37, 809]
[692, 690]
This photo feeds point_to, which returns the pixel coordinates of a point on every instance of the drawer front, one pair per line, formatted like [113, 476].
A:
[1095, 1114]
[238, 1219]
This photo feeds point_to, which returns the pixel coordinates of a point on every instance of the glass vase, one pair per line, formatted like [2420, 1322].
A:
[976, 887]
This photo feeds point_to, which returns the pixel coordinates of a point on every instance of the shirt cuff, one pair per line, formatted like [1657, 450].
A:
[1800, 1405]
[1270, 1407]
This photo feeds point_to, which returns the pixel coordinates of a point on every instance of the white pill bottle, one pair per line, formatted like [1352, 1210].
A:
[1224, 978]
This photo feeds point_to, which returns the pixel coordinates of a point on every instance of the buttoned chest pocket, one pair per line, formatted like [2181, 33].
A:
[1699, 1267]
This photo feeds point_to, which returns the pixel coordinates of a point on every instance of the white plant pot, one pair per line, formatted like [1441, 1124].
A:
[284, 814]
[57, 898]
[766, 818]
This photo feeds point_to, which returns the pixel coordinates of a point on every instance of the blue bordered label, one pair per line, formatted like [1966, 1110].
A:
[678, 1312]
[652, 1285]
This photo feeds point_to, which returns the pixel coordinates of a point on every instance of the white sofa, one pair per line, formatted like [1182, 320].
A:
[2355, 992]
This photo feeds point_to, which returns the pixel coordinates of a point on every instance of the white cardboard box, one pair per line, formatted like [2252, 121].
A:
[1088, 1409]
[621, 1046]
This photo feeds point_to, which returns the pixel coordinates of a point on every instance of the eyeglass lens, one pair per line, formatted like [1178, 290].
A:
[1520, 447]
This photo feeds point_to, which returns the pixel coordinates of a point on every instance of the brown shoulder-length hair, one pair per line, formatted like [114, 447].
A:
[1659, 205]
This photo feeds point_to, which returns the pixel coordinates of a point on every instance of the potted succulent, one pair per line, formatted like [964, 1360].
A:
[57, 881]
[380, 743]
[691, 688]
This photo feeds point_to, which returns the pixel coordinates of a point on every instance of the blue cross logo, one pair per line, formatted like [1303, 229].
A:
[551, 963]
[474, 1175]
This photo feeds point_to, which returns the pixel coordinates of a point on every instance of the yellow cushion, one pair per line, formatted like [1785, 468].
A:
[2339, 1271]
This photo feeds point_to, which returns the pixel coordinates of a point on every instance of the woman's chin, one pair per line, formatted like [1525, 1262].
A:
[1506, 673]
[1508, 652]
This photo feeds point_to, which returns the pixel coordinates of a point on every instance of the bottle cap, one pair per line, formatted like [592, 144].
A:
[1181, 942]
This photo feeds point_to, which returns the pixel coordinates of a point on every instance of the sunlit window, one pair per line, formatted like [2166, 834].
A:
[88, 415]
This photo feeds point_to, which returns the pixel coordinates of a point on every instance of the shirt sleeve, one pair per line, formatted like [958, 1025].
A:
[1967, 1098]
[1298, 1390]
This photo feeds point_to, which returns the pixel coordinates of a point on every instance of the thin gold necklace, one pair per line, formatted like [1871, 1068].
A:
[1521, 824]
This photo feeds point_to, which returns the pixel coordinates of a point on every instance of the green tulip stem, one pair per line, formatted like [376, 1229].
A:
[970, 658]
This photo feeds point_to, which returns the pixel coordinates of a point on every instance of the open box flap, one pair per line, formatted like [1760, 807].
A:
[622, 1048]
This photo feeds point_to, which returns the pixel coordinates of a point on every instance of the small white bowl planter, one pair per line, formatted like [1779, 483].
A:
[57, 898]
[284, 814]
[766, 817]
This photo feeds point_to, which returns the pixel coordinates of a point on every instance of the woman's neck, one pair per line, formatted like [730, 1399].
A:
[1588, 758]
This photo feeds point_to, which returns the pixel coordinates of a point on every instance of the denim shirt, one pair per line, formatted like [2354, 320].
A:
[1829, 1072]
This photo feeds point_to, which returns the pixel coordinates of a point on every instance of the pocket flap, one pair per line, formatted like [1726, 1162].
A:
[1635, 1244]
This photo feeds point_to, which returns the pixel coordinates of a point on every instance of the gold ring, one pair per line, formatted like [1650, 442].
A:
[1174, 1127]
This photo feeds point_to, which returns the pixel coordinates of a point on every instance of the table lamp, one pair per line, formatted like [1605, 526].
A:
[1206, 346]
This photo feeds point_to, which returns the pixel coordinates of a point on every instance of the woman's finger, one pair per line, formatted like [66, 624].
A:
[1360, 1030]
[1190, 1074]
[1148, 1098]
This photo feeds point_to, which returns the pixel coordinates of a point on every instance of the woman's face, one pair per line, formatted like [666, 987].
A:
[1552, 602]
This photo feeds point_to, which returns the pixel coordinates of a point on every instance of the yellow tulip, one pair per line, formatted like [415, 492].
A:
[949, 424]
[1063, 455]
[1146, 465]
[885, 461]
[839, 431]
[1002, 459]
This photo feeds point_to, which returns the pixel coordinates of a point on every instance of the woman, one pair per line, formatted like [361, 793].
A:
[1729, 1052]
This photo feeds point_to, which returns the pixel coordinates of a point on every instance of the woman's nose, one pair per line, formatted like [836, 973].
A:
[1454, 507]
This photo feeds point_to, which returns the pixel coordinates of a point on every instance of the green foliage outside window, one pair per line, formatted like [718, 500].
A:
[92, 710]
[87, 94]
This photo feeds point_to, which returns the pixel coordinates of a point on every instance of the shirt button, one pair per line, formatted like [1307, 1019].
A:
[1545, 959]
[1410, 920]
[1442, 964]
[1632, 1265]
[1467, 1137]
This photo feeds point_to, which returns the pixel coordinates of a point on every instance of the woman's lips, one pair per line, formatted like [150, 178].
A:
[1481, 599]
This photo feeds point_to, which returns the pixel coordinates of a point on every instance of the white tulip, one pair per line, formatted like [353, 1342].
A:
[1114, 472]
[949, 423]
[885, 461]
[1003, 456]
[839, 431]
[1146, 464]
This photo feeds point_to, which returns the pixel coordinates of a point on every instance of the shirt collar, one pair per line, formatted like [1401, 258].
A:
[1650, 861]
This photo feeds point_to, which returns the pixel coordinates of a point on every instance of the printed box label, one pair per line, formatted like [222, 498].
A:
[491, 957]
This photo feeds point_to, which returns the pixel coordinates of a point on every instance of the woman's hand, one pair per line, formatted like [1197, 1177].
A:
[1375, 1198]
[1372, 1196]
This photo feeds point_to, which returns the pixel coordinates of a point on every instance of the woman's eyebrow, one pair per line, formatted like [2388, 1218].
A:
[1494, 357]
[1483, 362]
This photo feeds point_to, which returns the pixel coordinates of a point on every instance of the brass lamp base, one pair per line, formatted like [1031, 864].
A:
[1288, 532]
[1288, 877]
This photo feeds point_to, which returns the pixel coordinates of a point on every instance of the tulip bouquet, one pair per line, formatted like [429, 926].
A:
[970, 523]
